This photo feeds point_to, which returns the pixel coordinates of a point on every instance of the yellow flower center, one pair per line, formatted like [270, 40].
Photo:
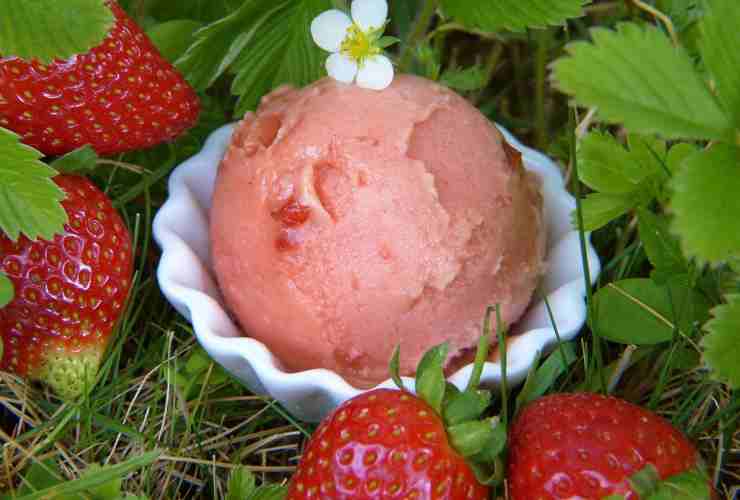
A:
[358, 45]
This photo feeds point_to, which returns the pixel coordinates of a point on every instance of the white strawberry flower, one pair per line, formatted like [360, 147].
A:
[356, 44]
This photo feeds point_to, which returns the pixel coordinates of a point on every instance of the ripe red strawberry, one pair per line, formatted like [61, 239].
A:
[392, 444]
[120, 96]
[69, 292]
[589, 446]
[383, 444]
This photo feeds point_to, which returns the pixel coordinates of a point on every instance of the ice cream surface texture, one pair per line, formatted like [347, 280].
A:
[347, 221]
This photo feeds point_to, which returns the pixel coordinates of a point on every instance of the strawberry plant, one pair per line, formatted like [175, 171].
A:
[104, 392]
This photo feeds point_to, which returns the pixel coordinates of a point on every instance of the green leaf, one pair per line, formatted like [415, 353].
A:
[512, 14]
[81, 160]
[430, 377]
[204, 11]
[174, 37]
[269, 492]
[465, 80]
[677, 154]
[264, 44]
[599, 209]
[639, 311]
[29, 199]
[719, 44]
[427, 61]
[649, 153]
[283, 53]
[110, 490]
[540, 380]
[395, 367]
[495, 444]
[464, 406]
[40, 475]
[706, 204]
[242, 483]
[645, 481]
[402, 15]
[90, 482]
[692, 485]
[662, 248]
[58, 30]
[217, 45]
[386, 41]
[722, 343]
[7, 292]
[471, 438]
[605, 166]
[636, 77]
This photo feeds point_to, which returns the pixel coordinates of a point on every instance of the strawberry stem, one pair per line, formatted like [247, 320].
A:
[501, 334]
[482, 353]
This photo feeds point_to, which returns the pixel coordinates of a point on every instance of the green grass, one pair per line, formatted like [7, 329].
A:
[157, 390]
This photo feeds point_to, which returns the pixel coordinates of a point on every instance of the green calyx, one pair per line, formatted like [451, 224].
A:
[480, 440]
[690, 485]
[70, 374]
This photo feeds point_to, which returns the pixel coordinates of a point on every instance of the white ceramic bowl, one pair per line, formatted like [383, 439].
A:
[186, 278]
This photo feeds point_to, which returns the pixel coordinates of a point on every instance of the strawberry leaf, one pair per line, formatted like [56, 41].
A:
[283, 52]
[264, 44]
[719, 44]
[242, 483]
[48, 29]
[205, 11]
[173, 38]
[707, 206]
[511, 14]
[430, 377]
[7, 292]
[677, 154]
[465, 80]
[722, 344]
[29, 199]
[649, 153]
[657, 92]
[639, 311]
[600, 209]
[662, 248]
[269, 492]
[81, 160]
[605, 166]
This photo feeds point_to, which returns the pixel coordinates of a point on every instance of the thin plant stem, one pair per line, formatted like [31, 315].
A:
[501, 334]
[543, 48]
[576, 184]
[418, 33]
[661, 17]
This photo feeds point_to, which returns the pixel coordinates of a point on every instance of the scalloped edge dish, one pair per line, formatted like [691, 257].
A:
[185, 276]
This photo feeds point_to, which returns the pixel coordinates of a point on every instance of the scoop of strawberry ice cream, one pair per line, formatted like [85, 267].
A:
[347, 221]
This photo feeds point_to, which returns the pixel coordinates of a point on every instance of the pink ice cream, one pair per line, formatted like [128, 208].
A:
[348, 221]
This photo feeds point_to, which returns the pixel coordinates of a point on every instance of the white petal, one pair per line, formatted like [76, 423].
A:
[341, 68]
[369, 14]
[376, 74]
[329, 29]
